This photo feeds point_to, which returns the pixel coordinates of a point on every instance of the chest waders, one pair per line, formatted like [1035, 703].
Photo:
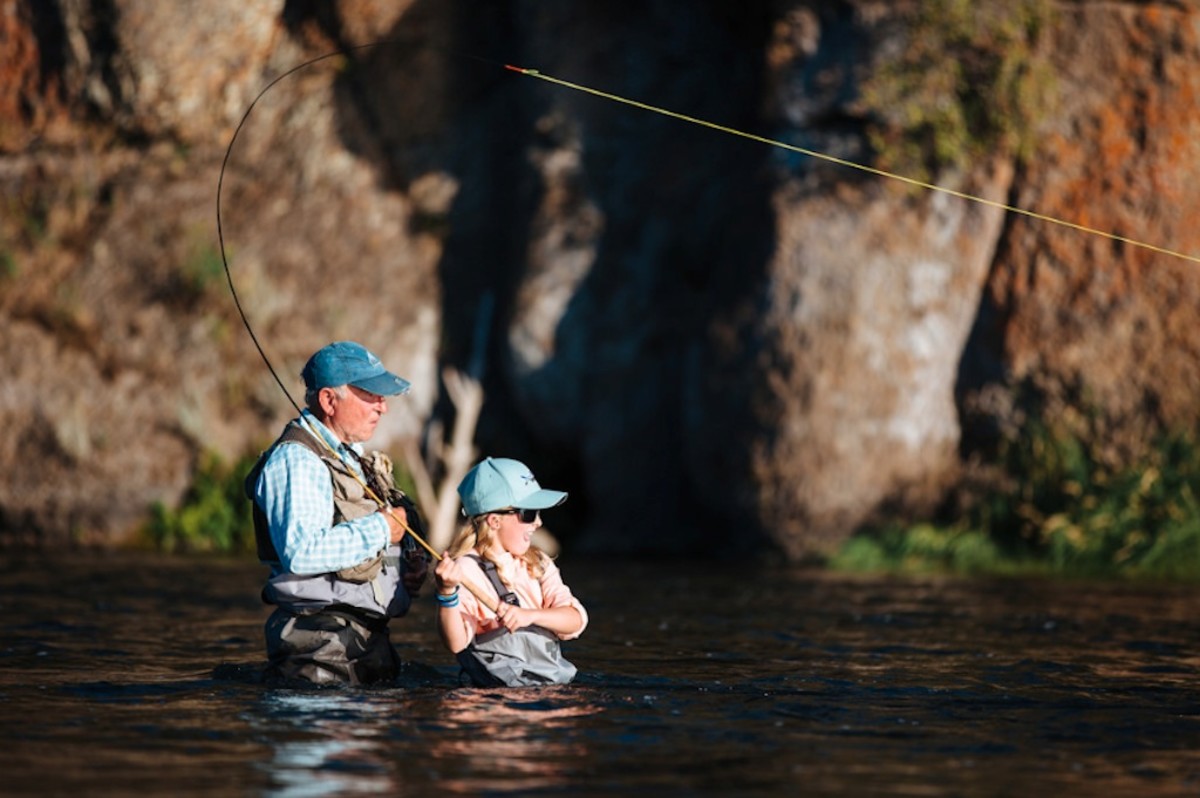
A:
[529, 657]
[332, 628]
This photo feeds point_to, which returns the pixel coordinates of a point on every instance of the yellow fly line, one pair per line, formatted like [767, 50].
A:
[533, 73]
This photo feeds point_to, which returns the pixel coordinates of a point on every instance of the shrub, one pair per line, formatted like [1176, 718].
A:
[1070, 514]
[968, 79]
[214, 516]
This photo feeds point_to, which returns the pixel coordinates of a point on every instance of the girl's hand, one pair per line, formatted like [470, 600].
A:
[514, 617]
[448, 574]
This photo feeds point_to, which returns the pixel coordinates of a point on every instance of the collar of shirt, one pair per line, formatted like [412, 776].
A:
[314, 423]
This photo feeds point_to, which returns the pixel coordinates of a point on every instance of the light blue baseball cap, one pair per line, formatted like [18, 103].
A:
[498, 483]
[348, 363]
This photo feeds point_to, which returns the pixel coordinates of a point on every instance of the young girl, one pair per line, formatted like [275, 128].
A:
[517, 643]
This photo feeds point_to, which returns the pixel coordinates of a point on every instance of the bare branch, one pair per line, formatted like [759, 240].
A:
[426, 495]
[467, 395]
[454, 457]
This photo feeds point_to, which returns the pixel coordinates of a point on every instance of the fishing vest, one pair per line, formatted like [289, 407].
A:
[373, 585]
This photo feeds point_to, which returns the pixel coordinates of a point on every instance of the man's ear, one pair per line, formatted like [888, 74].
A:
[326, 398]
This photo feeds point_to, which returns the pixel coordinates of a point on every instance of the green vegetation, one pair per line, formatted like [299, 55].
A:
[968, 80]
[202, 272]
[31, 214]
[215, 515]
[1069, 515]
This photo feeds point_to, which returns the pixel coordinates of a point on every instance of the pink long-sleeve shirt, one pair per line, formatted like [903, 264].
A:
[546, 593]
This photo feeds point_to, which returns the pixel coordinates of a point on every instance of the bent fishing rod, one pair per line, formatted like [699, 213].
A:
[384, 506]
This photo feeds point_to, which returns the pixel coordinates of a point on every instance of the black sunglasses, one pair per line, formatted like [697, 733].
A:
[526, 516]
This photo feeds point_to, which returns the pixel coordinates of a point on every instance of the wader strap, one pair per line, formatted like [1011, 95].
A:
[489, 570]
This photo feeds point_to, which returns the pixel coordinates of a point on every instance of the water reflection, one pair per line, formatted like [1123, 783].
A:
[694, 681]
[336, 745]
[526, 739]
[343, 742]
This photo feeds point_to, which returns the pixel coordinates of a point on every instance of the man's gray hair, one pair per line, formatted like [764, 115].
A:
[312, 396]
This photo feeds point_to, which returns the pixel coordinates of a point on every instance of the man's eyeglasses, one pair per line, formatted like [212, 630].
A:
[525, 516]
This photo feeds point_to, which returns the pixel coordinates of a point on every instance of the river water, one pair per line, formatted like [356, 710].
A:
[134, 675]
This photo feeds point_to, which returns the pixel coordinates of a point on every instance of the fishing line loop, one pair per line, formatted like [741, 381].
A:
[534, 73]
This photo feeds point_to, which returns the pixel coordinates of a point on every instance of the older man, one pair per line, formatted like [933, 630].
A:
[337, 574]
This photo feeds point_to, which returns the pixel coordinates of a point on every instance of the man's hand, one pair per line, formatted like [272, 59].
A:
[396, 529]
[414, 569]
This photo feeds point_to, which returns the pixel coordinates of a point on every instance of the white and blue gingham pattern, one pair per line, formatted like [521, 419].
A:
[296, 493]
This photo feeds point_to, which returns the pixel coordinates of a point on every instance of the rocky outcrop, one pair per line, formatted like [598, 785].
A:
[709, 341]
[127, 356]
[1103, 330]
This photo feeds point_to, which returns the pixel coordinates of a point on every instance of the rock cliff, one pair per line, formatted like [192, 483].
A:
[709, 341]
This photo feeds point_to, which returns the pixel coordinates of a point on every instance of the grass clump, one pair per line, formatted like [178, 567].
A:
[202, 272]
[214, 516]
[918, 549]
[9, 269]
[965, 80]
[1067, 513]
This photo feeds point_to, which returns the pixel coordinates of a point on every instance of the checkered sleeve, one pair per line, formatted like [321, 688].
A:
[296, 495]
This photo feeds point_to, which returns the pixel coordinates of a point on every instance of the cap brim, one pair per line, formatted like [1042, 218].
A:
[542, 500]
[385, 384]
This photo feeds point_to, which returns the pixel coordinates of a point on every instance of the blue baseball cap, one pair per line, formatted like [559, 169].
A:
[348, 363]
[498, 483]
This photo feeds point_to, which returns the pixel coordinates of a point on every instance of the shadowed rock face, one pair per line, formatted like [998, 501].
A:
[706, 339]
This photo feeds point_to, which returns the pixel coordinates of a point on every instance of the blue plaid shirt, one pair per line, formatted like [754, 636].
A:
[295, 492]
